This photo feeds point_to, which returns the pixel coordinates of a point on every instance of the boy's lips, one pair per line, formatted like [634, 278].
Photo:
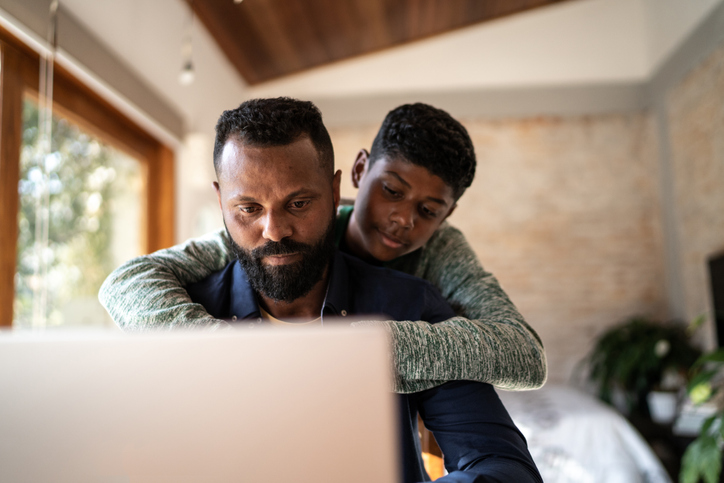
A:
[391, 240]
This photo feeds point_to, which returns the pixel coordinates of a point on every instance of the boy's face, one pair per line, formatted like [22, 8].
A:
[398, 208]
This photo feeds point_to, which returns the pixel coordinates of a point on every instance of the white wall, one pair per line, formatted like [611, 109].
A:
[196, 205]
[668, 22]
[147, 36]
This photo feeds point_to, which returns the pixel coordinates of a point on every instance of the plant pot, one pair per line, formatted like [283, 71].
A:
[662, 406]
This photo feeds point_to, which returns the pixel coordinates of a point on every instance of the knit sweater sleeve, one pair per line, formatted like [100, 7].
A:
[488, 342]
[148, 292]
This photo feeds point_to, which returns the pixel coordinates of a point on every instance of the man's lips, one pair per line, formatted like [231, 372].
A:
[281, 259]
[391, 240]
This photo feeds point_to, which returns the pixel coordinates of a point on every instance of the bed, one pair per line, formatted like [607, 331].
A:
[575, 438]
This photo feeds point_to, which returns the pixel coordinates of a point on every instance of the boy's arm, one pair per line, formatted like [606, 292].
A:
[148, 292]
[489, 341]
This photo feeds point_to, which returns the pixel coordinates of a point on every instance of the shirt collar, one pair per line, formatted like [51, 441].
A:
[337, 300]
[243, 303]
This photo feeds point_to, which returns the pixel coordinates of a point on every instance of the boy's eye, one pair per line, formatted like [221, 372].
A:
[428, 212]
[390, 191]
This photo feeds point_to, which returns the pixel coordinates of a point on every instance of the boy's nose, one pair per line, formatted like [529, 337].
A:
[404, 216]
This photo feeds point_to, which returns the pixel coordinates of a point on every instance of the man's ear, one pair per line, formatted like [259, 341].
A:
[455, 205]
[359, 167]
[218, 196]
[335, 187]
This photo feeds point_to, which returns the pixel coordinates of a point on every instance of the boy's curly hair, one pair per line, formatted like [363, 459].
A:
[431, 138]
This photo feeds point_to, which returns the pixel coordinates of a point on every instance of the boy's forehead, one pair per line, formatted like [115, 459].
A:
[393, 160]
[409, 172]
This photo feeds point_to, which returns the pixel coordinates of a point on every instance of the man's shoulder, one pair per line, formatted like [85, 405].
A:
[214, 291]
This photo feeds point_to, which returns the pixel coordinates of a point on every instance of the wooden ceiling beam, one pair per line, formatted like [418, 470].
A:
[268, 39]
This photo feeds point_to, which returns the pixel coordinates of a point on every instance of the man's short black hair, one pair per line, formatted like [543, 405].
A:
[274, 122]
[431, 138]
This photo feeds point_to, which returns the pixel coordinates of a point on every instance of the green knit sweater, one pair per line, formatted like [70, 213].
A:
[489, 341]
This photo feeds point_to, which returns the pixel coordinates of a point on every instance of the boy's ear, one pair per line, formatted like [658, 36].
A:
[359, 167]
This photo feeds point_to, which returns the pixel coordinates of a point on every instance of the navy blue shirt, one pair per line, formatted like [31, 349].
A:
[470, 424]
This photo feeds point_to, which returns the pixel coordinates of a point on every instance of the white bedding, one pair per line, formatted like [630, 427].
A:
[575, 438]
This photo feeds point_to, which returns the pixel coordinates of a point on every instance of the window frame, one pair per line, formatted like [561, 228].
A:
[19, 75]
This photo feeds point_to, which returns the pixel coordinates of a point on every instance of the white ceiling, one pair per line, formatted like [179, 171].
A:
[572, 43]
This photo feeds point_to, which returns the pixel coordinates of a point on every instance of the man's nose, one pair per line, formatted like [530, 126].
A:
[277, 225]
[404, 216]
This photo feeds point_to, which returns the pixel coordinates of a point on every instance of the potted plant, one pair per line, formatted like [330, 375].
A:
[703, 457]
[639, 356]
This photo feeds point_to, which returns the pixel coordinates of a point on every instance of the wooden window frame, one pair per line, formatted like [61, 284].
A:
[19, 75]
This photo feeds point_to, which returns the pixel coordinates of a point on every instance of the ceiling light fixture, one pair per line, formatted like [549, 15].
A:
[188, 74]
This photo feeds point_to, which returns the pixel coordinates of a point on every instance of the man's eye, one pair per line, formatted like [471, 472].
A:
[299, 204]
[248, 209]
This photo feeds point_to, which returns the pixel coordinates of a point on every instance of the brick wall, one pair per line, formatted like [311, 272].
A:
[695, 109]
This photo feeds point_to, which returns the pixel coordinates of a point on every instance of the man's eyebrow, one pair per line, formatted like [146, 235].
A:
[293, 194]
[303, 192]
[401, 180]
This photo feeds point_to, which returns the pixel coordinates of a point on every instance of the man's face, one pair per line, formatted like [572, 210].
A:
[278, 206]
[398, 208]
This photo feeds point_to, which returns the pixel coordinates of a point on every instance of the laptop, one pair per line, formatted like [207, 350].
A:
[246, 405]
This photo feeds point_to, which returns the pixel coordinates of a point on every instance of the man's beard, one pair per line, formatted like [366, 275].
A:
[286, 283]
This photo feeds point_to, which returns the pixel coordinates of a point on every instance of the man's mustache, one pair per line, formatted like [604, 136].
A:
[283, 247]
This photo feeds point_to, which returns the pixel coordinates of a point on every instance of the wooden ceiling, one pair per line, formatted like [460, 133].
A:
[267, 39]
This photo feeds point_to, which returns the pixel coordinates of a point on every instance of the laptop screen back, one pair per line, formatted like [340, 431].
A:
[249, 405]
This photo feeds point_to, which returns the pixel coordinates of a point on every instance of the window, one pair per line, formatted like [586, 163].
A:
[94, 213]
[110, 193]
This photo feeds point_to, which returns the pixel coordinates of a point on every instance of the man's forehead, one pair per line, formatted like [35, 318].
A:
[300, 155]
[249, 171]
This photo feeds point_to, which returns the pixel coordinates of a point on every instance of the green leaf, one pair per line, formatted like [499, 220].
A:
[701, 459]
[701, 378]
[695, 324]
[700, 393]
[707, 425]
[716, 356]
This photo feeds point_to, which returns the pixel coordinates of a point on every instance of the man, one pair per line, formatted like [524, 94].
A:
[278, 193]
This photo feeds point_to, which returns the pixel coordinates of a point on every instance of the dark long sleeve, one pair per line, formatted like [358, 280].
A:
[479, 441]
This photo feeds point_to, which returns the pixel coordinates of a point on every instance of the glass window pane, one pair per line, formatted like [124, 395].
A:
[95, 205]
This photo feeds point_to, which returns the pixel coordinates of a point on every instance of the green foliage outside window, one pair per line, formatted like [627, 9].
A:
[84, 178]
